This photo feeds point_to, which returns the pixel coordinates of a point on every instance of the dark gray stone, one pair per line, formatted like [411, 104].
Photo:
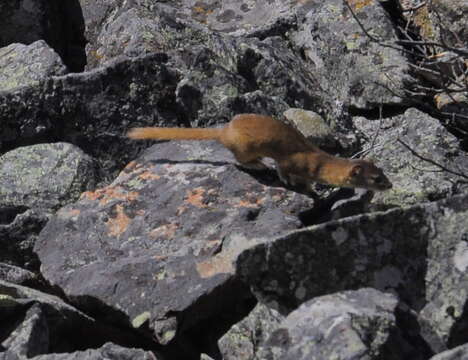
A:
[358, 324]
[349, 65]
[44, 176]
[108, 351]
[24, 65]
[158, 243]
[414, 180]
[19, 229]
[417, 252]
[242, 341]
[458, 353]
[91, 110]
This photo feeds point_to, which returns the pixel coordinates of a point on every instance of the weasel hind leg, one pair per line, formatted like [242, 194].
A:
[249, 162]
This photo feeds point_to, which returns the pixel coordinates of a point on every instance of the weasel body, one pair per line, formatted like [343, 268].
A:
[251, 137]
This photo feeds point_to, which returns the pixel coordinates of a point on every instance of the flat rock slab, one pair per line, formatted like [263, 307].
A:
[161, 239]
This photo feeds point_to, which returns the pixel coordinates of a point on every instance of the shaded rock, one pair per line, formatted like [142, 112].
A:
[242, 341]
[157, 245]
[26, 65]
[358, 324]
[459, 353]
[390, 251]
[442, 21]
[35, 323]
[18, 233]
[313, 127]
[351, 67]
[16, 275]
[25, 21]
[413, 179]
[58, 23]
[44, 175]
[91, 110]
[108, 351]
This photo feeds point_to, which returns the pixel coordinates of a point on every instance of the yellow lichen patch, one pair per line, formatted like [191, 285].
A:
[357, 5]
[195, 197]
[422, 20]
[119, 223]
[110, 193]
[219, 264]
[166, 230]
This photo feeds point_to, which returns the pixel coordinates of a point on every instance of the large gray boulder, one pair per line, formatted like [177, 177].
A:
[417, 252]
[414, 180]
[44, 176]
[24, 65]
[361, 324]
[158, 244]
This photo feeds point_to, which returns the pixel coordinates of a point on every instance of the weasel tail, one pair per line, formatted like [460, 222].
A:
[175, 133]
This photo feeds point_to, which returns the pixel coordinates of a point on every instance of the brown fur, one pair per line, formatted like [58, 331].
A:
[251, 137]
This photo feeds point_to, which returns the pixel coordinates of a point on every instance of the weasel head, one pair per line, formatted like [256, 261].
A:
[364, 174]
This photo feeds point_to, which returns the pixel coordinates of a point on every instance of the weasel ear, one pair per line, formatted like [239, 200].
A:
[356, 171]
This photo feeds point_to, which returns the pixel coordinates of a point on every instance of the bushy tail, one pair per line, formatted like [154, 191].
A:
[175, 133]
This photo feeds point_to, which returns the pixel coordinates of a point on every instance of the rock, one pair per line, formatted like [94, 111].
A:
[16, 275]
[58, 23]
[458, 353]
[107, 351]
[242, 341]
[91, 110]
[358, 324]
[334, 43]
[158, 243]
[26, 65]
[376, 250]
[413, 179]
[18, 232]
[44, 176]
[442, 21]
[39, 323]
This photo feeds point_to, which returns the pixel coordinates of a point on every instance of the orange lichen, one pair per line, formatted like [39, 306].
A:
[109, 193]
[145, 175]
[219, 264]
[166, 230]
[195, 197]
[119, 223]
[357, 5]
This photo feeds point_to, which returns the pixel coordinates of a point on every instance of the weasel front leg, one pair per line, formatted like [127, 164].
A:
[285, 178]
[254, 165]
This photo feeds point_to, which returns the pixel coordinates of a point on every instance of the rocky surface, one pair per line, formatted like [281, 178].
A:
[26, 65]
[242, 341]
[358, 324]
[415, 180]
[44, 176]
[110, 248]
[181, 210]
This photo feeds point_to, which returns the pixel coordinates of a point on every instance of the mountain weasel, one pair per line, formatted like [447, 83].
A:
[251, 137]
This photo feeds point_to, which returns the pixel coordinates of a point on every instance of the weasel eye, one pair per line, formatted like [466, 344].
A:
[379, 179]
